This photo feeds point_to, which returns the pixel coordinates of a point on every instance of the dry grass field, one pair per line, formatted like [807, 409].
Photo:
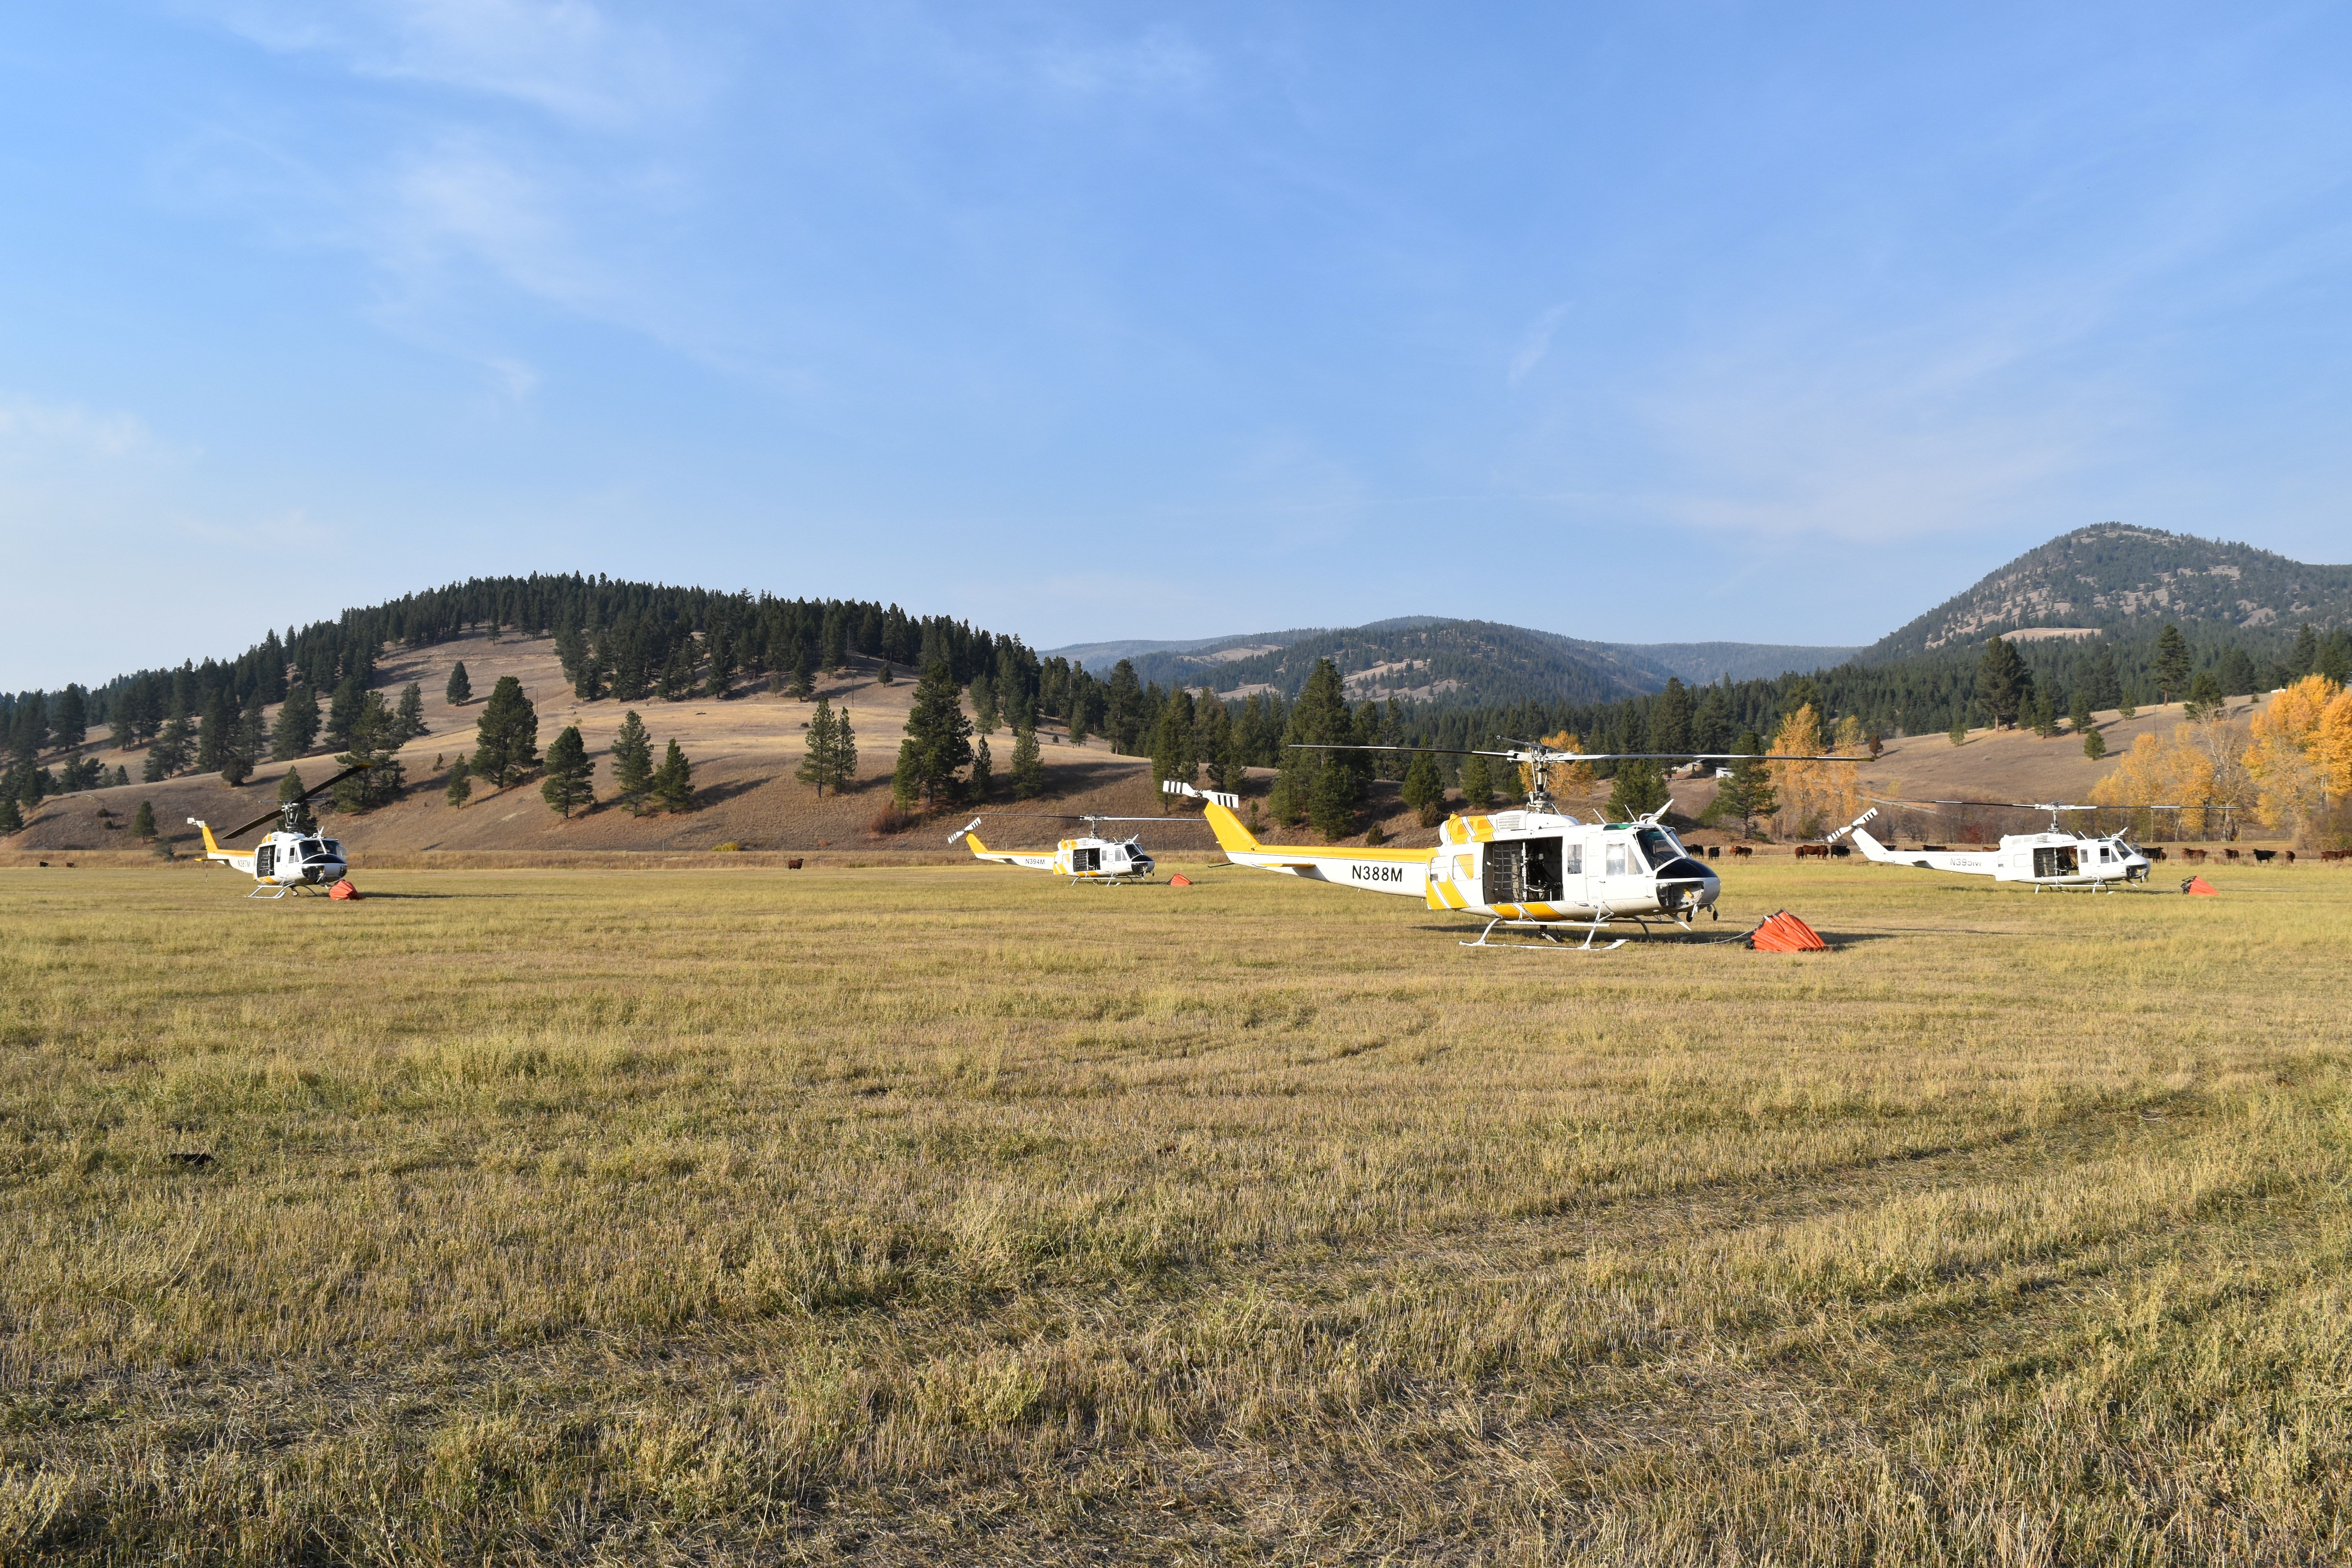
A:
[931, 1214]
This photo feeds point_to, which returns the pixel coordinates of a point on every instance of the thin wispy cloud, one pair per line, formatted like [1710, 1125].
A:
[1536, 344]
[569, 58]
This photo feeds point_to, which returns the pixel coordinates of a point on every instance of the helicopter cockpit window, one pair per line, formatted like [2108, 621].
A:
[311, 849]
[1658, 846]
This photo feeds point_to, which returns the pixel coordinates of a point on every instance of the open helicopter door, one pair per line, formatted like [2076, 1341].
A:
[2054, 860]
[1524, 871]
[1086, 862]
[265, 861]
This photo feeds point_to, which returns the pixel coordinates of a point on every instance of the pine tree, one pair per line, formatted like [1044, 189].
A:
[982, 779]
[2171, 663]
[2126, 706]
[1747, 794]
[633, 762]
[570, 775]
[984, 705]
[720, 683]
[2303, 658]
[344, 711]
[1670, 717]
[835, 635]
[409, 717]
[938, 731]
[461, 782]
[71, 720]
[673, 782]
[460, 690]
[142, 822]
[803, 684]
[373, 743]
[12, 816]
[887, 678]
[1123, 721]
[907, 777]
[2079, 715]
[2107, 687]
[1477, 785]
[169, 754]
[1028, 765]
[507, 735]
[2095, 745]
[244, 747]
[2003, 683]
[1958, 733]
[820, 767]
[297, 726]
[1637, 790]
[2204, 696]
[1173, 756]
[1424, 788]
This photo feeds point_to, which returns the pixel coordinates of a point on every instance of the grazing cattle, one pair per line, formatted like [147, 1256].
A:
[1742, 851]
[1808, 851]
[1714, 851]
[2155, 854]
[1841, 850]
[2264, 857]
[2288, 855]
[2229, 854]
[793, 863]
[2327, 855]
[2194, 857]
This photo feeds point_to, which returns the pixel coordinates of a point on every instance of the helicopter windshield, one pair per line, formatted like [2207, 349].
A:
[1658, 846]
[313, 849]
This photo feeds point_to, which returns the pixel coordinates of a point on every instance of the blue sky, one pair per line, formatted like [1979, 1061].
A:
[1759, 322]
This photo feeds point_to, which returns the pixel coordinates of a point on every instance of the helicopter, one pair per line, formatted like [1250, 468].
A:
[1086, 858]
[2052, 858]
[295, 856]
[1540, 868]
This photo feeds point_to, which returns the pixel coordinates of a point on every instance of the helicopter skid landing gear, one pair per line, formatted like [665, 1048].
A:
[1550, 941]
[261, 892]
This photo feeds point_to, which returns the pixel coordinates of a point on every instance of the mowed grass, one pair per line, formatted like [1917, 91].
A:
[953, 1214]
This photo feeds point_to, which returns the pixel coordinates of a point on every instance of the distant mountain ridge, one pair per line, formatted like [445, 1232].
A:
[1445, 662]
[2115, 577]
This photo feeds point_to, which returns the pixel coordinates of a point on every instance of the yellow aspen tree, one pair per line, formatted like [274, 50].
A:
[1799, 785]
[2289, 753]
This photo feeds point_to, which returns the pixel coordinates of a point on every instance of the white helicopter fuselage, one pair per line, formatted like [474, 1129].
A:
[1531, 867]
[283, 861]
[1085, 859]
[2047, 859]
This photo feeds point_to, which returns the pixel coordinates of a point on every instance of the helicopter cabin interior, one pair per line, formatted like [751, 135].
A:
[2054, 860]
[1528, 871]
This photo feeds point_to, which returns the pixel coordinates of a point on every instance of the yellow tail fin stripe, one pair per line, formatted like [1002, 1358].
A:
[1232, 837]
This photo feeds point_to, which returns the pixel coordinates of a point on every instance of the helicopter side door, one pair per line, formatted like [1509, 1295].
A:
[1086, 862]
[1524, 871]
[265, 859]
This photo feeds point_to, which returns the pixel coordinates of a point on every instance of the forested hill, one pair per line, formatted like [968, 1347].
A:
[1416, 659]
[2130, 580]
[625, 638]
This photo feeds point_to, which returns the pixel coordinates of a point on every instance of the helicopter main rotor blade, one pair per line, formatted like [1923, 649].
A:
[279, 809]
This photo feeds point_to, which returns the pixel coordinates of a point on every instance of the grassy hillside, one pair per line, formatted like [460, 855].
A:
[2132, 579]
[745, 751]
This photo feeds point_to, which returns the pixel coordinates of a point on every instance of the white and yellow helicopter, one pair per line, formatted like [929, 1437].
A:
[1540, 868]
[2051, 858]
[1088, 858]
[295, 856]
